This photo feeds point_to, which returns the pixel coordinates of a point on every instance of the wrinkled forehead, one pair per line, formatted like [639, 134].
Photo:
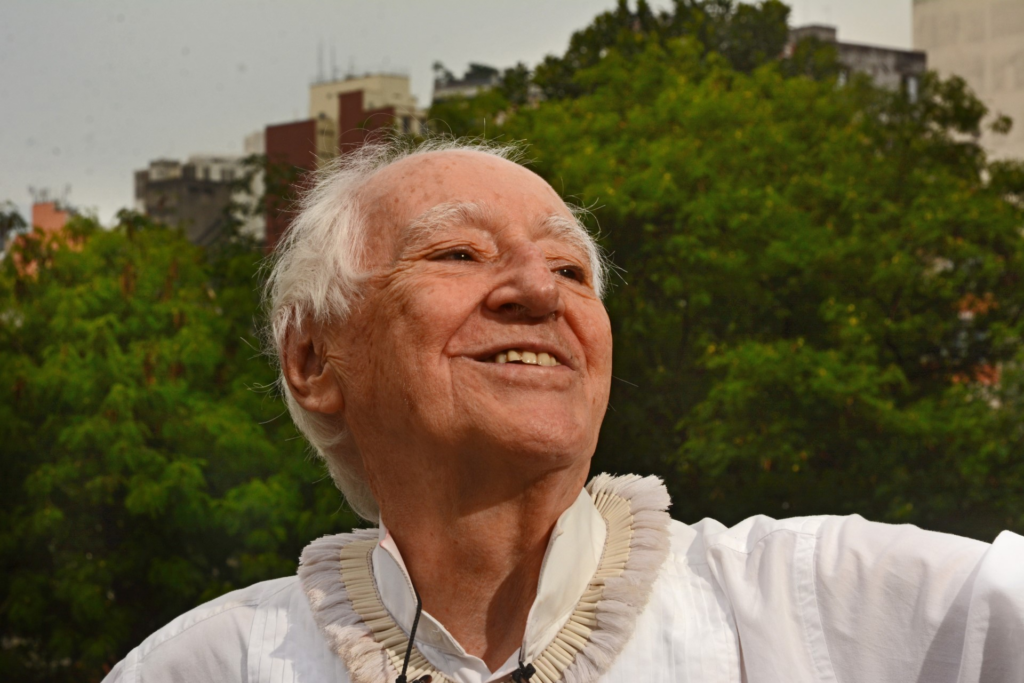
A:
[422, 193]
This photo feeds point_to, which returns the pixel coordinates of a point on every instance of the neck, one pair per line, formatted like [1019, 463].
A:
[475, 558]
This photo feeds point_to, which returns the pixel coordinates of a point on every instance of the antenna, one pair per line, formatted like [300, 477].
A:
[320, 76]
[40, 195]
[334, 64]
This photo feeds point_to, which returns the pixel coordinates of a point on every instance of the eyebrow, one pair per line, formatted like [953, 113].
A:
[447, 214]
[443, 216]
[570, 230]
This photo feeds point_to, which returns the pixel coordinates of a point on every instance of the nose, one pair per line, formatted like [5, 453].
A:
[527, 287]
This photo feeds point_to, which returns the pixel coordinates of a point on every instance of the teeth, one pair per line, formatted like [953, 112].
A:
[526, 357]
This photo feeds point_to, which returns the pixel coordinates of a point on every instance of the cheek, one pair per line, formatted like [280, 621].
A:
[419, 313]
[414, 321]
[595, 333]
[596, 337]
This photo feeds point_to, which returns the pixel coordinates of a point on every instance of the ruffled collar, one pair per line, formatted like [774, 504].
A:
[574, 640]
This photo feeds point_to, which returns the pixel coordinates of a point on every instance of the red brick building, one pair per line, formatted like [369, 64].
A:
[49, 216]
[291, 157]
[295, 150]
[357, 125]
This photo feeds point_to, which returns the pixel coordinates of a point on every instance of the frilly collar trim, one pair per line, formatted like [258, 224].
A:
[337, 576]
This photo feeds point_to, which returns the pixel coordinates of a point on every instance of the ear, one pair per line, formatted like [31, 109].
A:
[311, 379]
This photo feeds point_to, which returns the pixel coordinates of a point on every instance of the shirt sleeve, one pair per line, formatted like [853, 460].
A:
[844, 600]
[210, 649]
[897, 603]
[994, 635]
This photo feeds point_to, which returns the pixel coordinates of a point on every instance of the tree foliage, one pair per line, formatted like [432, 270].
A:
[461, 116]
[823, 302]
[821, 312]
[745, 35]
[822, 306]
[146, 468]
[10, 221]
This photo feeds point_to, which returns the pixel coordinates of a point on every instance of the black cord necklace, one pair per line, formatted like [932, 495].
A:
[521, 675]
[525, 671]
[426, 678]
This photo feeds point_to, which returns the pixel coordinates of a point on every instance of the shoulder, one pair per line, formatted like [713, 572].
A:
[871, 601]
[709, 561]
[836, 550]
[708, 541]
[212, 641]
[846, 566]
[852, 537]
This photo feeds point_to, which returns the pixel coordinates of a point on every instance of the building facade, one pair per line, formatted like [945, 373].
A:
[379, 91]
[343, 115]
[50, 215]
[887, 67]
[293, 150]
[195, 195]
[479, 78]
[981, 41]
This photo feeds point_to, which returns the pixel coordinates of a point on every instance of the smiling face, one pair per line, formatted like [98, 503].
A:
[480, 348]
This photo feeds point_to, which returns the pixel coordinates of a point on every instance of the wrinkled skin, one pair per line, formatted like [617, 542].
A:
[471, 461]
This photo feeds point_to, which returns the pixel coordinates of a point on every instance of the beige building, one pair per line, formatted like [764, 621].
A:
[380, 91]
[983, 42]
[886, 67]
[255, 143]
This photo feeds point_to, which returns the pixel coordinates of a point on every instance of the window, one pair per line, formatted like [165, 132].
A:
[911, 85]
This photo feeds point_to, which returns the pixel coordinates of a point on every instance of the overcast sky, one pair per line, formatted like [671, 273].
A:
[91, 91]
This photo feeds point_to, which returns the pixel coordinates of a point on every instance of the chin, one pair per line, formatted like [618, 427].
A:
[550, 444]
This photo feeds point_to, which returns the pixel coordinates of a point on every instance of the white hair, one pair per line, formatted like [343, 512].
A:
[317, 269]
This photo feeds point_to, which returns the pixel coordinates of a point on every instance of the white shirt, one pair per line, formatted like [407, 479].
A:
[805, 599]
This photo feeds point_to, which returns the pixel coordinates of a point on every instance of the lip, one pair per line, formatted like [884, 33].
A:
[564, 359]
[509, 376]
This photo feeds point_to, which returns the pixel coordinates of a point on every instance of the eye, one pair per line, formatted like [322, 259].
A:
[455, 255]
[571, 273]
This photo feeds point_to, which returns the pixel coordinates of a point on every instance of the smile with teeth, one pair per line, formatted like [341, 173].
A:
[525, 357]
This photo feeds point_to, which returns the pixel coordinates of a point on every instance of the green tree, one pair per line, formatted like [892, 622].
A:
[515, 84]
[460, 116]
[483, 113]
[10, 221]
[823, 306]
[746, 35]
[147, 465]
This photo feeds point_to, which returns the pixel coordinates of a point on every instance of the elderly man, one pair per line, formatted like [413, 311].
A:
[438, 319]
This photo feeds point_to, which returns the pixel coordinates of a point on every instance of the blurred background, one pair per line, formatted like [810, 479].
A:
[816, 211]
